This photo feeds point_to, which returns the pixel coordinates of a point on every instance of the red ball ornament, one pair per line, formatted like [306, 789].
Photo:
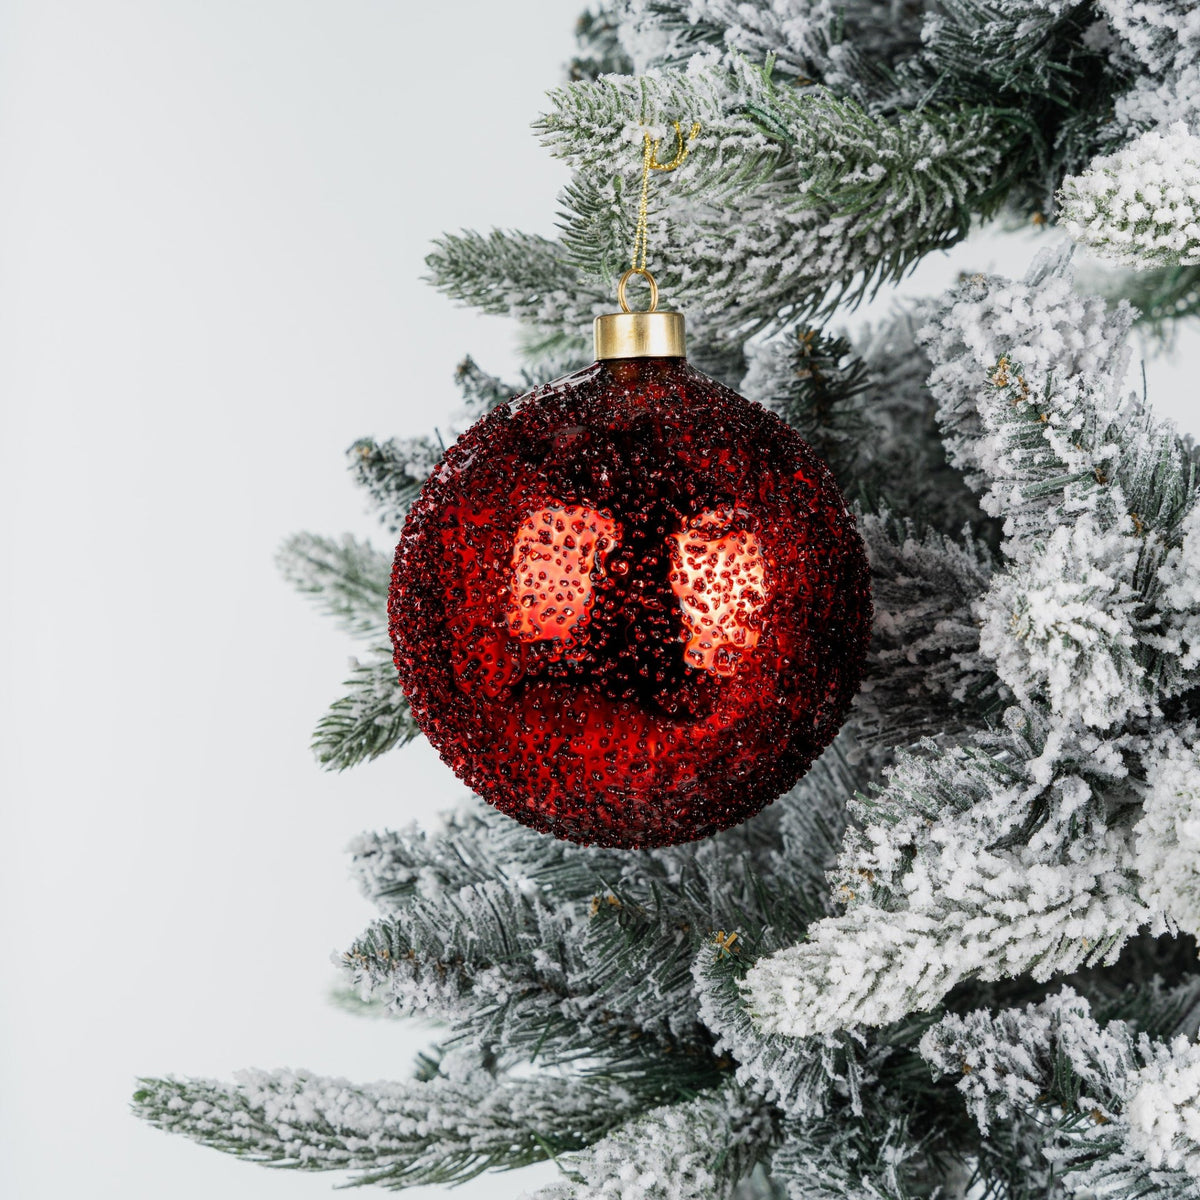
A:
[630, 607]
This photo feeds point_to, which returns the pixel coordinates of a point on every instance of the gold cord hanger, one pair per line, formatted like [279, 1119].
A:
[650, 163]
[647, 333]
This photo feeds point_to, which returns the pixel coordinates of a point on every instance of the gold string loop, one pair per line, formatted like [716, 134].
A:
[681, 148]
[648, 278]
[650, 163]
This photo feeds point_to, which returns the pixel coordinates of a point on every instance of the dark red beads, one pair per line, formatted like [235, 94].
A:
[630, 607]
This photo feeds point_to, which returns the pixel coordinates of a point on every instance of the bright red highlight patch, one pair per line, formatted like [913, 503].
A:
[720, 579]
[558, 557]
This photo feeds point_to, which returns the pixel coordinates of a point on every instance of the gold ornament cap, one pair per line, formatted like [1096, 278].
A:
[649, 334]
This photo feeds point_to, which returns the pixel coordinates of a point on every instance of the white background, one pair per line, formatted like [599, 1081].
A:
[213, 217]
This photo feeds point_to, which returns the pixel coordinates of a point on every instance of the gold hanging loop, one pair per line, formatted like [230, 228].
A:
[625, 280]
[681, 148]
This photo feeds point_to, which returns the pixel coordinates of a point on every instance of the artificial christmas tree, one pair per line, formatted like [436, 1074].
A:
[959, 956]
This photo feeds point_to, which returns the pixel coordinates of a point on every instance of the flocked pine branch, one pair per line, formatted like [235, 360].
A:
[1163, 38]
[1162, 1113]
[1141, 205]
[518, 275]
[1051, 1053]
[465, 1120]
[1003, 858]
[1168, 835]
[799, 1076]
[697, 1150]
[1160, 296]
[852, 1160]
[346, 577]
[349, 579]
[599, 49]
[868, 412]
[848, 47]
[820, 387]
[468, 953]
[392, 473]
[924, 669]
[1118, 1114]
[1161, 34]
[480, 391]
[565, 950]
[925, 672]
[1091, 486]
[1158, 101]
[812, 821]
[369, 719]
[473, 844]
[1041, 58]
[811, 194]
[832, 201]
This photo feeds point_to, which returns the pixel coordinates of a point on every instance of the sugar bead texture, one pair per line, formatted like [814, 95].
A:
[630, 607]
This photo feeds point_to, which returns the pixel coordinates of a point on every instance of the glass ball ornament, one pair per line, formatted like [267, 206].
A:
[630, 607]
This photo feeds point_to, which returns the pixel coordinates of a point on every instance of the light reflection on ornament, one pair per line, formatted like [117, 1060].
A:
[557, 559]
[720, 579]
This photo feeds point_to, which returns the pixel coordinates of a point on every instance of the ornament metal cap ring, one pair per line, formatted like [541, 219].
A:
[646, 334]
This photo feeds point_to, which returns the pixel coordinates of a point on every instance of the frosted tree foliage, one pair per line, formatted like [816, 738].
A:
[1163, 1110]
[666, 1154]
[1167, 838]
[1120, 1111]
[1141, 205]
[959, 958]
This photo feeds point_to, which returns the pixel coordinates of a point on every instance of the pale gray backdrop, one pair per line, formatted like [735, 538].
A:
[212, 223]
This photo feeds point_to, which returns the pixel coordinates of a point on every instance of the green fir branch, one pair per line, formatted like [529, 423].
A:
[819, 201]
[598, 48]
[925, 674]
[347, 578]
[443, 1131]
[372, 717]
[700, 1149]
[481, 392]
[392, 473]
[515, 274]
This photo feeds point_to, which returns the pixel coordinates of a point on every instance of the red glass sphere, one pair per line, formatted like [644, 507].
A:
[630, 607]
